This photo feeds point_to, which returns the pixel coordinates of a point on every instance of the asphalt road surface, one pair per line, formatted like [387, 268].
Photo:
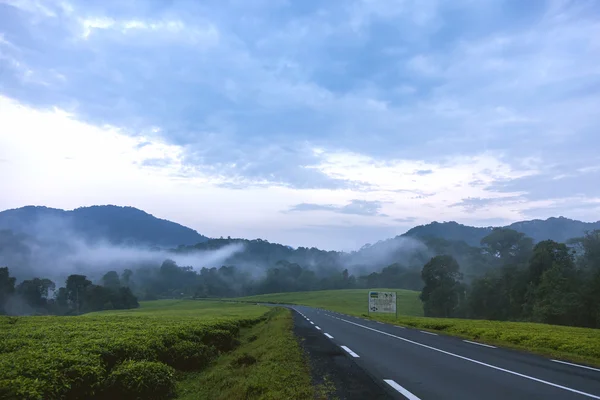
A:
[413, 364]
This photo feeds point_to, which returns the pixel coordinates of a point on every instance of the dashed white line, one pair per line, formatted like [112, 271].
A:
[429, 333]
[398, 326]
[576, 365]
[353, 354]
[312, 322]
[400, 389]
[328, 335]
[480, 344]
[479, 362]
[317, 327]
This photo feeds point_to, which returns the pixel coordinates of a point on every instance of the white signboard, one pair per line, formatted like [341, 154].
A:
[382, 302]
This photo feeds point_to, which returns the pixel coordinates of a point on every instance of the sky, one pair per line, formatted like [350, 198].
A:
[310, 123]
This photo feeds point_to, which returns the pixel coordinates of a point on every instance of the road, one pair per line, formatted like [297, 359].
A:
[414, 364]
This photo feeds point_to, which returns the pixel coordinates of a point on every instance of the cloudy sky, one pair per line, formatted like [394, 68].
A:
[327, 123]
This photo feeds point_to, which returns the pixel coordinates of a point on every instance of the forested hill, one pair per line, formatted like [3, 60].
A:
[558, 229]
[117, 225]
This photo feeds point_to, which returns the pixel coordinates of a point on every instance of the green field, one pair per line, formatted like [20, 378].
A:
[348, 301]
[561, 342]
[143, 353]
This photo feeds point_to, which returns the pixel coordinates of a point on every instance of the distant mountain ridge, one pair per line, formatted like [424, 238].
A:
[559, 229]
[129, 225]
[118, 225]
[38, 238]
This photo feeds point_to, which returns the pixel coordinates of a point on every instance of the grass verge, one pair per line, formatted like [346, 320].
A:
[567, 343]
[268, 364]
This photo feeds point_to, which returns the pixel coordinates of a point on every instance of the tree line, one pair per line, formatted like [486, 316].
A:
[79, 295]
[549, 282]
[509, 277]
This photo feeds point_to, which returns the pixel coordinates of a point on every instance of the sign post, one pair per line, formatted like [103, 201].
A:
[383, 302]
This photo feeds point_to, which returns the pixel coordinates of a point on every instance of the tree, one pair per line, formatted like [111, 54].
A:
[126, 277]
[75, 290]
[35, 291]
[7, 287]
[545, 255]
[111, 280]
[551, 275]
[556, 297]
[591, 248]
[507, 246]
[443, 291]
[590, 288]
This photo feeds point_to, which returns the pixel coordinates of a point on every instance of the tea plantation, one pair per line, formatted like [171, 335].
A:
[133, 354]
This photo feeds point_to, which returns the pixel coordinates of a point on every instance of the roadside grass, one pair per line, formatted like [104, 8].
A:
[348, 301]
[580, 345]
[269, 364]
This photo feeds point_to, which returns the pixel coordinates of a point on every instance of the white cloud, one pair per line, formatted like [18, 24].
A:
[169, 29]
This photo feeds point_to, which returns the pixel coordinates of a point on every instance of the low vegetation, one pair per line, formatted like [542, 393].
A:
[133, 354]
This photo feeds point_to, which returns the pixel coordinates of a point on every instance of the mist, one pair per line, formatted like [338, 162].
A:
[50, 247]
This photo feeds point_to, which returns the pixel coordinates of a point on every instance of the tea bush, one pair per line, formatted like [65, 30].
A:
[114, 355]
[141, 380]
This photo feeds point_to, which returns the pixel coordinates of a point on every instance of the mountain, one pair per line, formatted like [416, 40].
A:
[559, 229]
[117, 225]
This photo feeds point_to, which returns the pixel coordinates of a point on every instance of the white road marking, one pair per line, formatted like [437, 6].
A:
[480, 344]
[380, 322]
[429, 333]
[398, 326]
[353, 354]
[317, 327]
[576, 365]
[312, 322]
[328, 335]
[479, 362]
[400, 389]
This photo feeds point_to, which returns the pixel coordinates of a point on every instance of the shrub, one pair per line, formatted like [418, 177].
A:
[221, 339]
[116, 351]
[22, 388]
[141, 380]
[244, 360]
[186, 355]
[252, 338]
[51, 375]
